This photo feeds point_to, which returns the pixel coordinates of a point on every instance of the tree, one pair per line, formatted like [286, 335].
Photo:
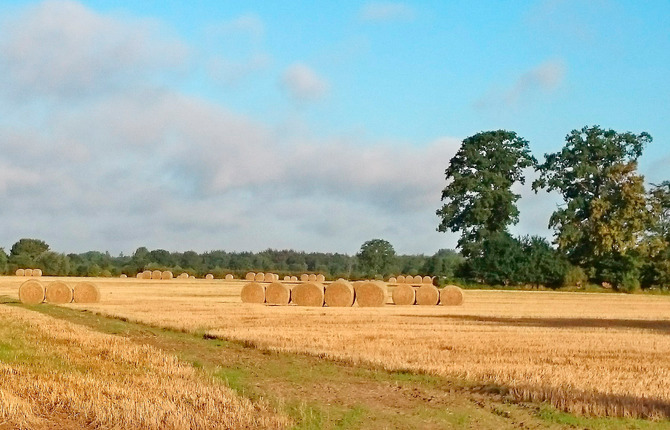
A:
[479, 196]
[53, 263]
[376, 257]
[542, 264]
[605, 213]
[496, 260]
[29, 247]
[3, 261]
[443, 264]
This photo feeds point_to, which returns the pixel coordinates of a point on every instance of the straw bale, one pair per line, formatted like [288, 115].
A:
[146, 274]
[400, 279]
[312, 277]
[427, 280]
[260, 277]
[287, 278]
[58, 292]
[209, 276]
[277, 293]
[123, 275]
[20, 272]
[294, 278]
[156, 274]
[339, 294]
[308, 294]
[371, 293]
[451, 295]
[229, 277]
[139, 275]
[31, 292]
[28, 272]
[404, 295]
[167, 275]
[37, 272]
[418, 279]
[269, 277]
[320, 278]
[304, 277]
[86, 292]
[393, 280]
[427, 295]
[191, 277]
[253, 292]
[250, 276]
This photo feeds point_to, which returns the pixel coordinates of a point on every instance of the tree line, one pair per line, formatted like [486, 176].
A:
[610, 228]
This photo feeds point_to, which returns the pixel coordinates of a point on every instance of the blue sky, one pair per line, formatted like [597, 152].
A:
[308, 125]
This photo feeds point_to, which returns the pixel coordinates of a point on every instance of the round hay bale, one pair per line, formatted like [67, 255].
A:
[427, 295]
[146, 274]
[229, 277]
[37, 272]
[428, 280]
[294, 279]
[250, 276]
[191, 277]
[418, 279]
[156, 274]
[139, 275]
[253, 292]
[31, 292]
[400, 279]
[167, 275]
[320, 278]
[58, 292]
[451, 295]
[404, 295]
[371, 294]
[123, 275]
[20, 272]
[304, 277]
[28, 272]
[260, 277]
[312, 277]
[277, 294]
[339, 294]
[393, 280]
[269, 277]
[209, 276]
[86, 292]
[287, 278]
[308, 294]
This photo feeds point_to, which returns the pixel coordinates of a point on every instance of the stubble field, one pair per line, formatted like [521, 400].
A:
[592, 354]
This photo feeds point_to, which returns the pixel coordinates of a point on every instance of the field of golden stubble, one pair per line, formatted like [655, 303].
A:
[596, 354]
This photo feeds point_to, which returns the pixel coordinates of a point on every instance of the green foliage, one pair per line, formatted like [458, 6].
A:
[443, 265]
[30, 247]
[53, 263]
[376, 257]
[541, 264]
[496, 260]
[575, 276]
[479, 196]
[3, 261]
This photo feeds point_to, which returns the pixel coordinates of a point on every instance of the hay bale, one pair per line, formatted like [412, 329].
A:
[400, 279]
[250, 276]
[253, 292]
[209, 276]
[451, 295]
[146, 274]
[269, 277]
[308, 294]
[31, 292]
[86, 292]
[229, 277]
[139, 275]
[166, 275]
[339, 294]
[277, 294]
[427, 295]
[428, 280]
[37, 272]
[28, 272]
[58, 292]
[123, 276]
[418, 279]
[404, 295]
[312, 277]
[20, 272]
[287, 278]
[156, 274]
[260, 277]
[191, 277]
[371, 294]
[320, 278]
[294, 279]
[393, 280]
[304, 277]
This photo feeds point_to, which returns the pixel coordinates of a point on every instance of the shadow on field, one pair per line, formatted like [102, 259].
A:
[662, 326]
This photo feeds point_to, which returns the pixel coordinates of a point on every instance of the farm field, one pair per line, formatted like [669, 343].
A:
[586, 354]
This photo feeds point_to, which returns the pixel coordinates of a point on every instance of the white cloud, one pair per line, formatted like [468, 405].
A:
[303, 83]
[386, 11]
[249, 24]
[233, 72]
[542, 79]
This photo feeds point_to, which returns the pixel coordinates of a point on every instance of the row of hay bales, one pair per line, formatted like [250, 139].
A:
[29, 272]
[33, 292]
[166, 274]
[343, 293]
[409, 279]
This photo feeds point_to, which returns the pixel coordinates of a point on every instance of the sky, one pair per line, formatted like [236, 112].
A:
[310, 125]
